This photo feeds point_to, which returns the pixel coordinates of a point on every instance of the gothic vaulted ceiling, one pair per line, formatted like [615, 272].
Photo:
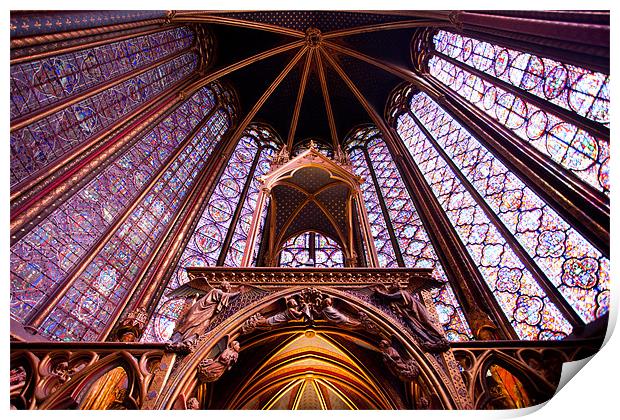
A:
[235, 43]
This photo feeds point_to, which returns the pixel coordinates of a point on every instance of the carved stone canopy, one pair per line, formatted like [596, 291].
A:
[310, 192]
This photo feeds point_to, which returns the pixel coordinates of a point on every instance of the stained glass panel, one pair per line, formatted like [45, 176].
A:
[526, 306]
[300, 251]
[410, 234]
[44, 256]
[573, 265]
[42, 142]
[40, 83]
[205, 244]
[575, 149]
[574, 88]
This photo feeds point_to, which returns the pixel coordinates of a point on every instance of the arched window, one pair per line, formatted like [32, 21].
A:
[398, 232]
[221, 233]
[521, 246]
[311, 249]
[158, 172]
[558, 108]
[137, 69]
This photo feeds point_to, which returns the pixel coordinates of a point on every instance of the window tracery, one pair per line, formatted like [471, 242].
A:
[311, 249]
[44, 257]
[236, 190]
[573, 265]
[87, 307]
[585, 93]
[395, 224]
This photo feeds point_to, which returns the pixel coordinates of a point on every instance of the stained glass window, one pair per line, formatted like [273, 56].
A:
[461, 171]
[388, 204]
[40, 143]
[236, 191]
[583, 92]
[569, 261]
[40, 83]
[43, 258]
[86, 308]
[311, 249]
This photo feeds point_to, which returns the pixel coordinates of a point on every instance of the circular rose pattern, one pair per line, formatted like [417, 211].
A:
[555, 82]
[580, 273]
[527, 71]
[208, 238]
[529, 309]
[551, 244]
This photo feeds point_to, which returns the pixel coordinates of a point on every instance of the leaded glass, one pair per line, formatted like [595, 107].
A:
[240, 235]
[573, 265]
[575, 149]
[526, 306]
[205, 244]
[574, 88]
[42, 142]
[44, 256]
[40, 83]
[378, 226]
[410, 234]
[86, 308]
[311, 249]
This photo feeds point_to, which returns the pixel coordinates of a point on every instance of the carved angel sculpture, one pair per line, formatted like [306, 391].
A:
[208, 302]
[334, 316]
[210, 370]
[416, 316]
[406, 370]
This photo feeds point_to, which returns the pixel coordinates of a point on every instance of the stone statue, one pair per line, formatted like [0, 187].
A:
[259, 322]
[406, 370]
[200, 314]
[309, 304]
[210, 370]
[417, 317]
[334, 316]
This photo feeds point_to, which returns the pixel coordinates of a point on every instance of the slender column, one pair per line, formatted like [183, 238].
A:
[365, 228]
[584, 208]
[455, 259]
[236, 215]
[39, 315]
[246, 261]
[384, 210]
[43, 193]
